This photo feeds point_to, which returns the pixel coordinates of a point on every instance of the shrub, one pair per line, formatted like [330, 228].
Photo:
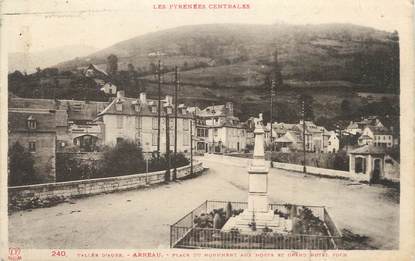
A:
[341, 161]
[124, 159]
[21, 166]
[70, 167]
[161, 163]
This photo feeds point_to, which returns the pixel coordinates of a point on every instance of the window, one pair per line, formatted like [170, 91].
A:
[118, 106]
[155, 123]
[31, 123]
[153, 109]
[171, 138]
[154, 139]
[137, 122]
[120, 122]
[215, 132]
[185, 124]
[186, 139]
[137, 138]
[137, 107]
[119, 140]
[169, 110]
[32, 146]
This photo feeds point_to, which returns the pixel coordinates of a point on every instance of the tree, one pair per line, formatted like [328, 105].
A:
[130, 67]
[124, 159]
[345, 107]
[21, 165]
[112, 64]
[308, 106]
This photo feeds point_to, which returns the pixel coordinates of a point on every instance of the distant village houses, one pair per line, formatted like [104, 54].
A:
[290, 137]
[219, 131]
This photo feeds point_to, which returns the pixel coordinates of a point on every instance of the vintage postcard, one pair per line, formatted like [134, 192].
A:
[207, 130]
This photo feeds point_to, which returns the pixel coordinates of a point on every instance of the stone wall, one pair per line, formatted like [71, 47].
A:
[319, 160]
[392, 169]
[322, 171]
[21, 197]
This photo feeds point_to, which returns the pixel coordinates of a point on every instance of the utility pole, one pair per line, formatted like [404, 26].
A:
[176, 87]
[159, 109]
[303, 113]
[191, 145]
[167, 147]
[271, 110]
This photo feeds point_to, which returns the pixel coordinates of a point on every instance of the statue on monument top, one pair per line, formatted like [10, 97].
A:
[258, 121]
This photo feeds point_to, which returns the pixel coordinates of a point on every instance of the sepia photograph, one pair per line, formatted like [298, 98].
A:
[204, 126]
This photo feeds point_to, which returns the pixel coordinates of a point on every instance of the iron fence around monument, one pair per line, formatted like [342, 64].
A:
[185, 234]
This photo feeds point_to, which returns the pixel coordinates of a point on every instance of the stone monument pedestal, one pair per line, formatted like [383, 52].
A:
[258, 215]
[243, 222]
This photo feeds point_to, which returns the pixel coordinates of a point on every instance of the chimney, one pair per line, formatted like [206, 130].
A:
[143, 98]
[120, 94]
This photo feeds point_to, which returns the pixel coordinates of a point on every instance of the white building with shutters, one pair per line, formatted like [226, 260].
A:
[136, 119]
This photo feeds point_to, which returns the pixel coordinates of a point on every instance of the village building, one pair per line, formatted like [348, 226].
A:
[109, 88]
[368, 160]
[218, 130]
[93, 71]
[333, 143]
[250, 136]
[74, 121]
[378, 136]
[290, 141]
[357, 127]
[136, 119]
[289, 137]
[36, 131]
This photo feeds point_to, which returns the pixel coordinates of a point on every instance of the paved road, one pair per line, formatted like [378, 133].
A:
[141, 218]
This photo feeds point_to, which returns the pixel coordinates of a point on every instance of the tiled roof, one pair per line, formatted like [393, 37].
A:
[18, 120]
[128, 108]
[76, 110]
[211, 111]
[368, 149]
[380, 130]
[352, 125]
[283, 139]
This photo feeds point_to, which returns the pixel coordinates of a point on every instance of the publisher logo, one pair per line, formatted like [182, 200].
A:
[14, 254]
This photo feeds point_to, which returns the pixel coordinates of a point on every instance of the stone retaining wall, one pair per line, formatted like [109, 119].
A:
[322, 171]
[21, 196]
[295, 167]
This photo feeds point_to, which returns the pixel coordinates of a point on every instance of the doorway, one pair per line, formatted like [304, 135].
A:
[376, 170]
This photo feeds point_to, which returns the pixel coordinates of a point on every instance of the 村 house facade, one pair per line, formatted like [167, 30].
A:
[377, 136]
[219, 131]
[35, 130]
[136, 119]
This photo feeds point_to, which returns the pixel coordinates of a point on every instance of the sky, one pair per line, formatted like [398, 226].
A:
[35, 25]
